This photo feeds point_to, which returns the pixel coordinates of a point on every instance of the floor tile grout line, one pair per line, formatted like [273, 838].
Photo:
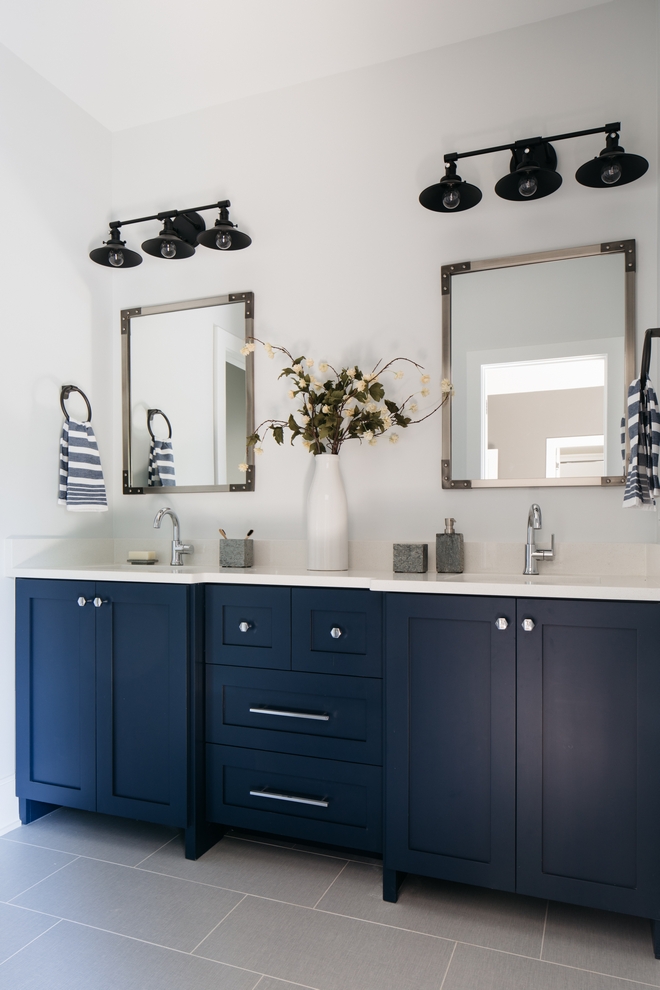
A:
[330, 885]
[208, 934]
[49, 929]
[258, 982]
[545, 925]
[136, 865]
[448, 965]
[20, 894]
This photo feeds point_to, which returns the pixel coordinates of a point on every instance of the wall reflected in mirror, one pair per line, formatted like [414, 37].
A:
[538, 355]
[187, 365]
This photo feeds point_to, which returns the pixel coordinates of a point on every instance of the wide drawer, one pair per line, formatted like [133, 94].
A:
[248, 626]
[316, 715]
[316, 800]
[337, 631]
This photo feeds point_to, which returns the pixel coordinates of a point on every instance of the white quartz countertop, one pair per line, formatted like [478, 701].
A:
[612, 587]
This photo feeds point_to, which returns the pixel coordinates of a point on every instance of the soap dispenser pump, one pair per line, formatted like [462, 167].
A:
[449, 550]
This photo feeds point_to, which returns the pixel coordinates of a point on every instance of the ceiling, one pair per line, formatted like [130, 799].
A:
[129, 62]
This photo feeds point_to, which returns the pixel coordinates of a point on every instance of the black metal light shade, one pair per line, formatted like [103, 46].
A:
[114, 254]
[168, 244]
[224, 236]
[451, 194]
[613, 167]
[532, 174]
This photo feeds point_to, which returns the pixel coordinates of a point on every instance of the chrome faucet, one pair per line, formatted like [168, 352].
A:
[178, 548]
[532, 554]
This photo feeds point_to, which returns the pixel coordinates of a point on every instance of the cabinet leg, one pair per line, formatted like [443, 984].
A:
[29, 810]
[655, 932]
[201, 837]
[392, 880]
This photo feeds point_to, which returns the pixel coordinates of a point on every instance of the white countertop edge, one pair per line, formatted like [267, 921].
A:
[623, 588]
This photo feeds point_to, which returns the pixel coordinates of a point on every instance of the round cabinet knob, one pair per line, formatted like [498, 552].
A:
[100, 601]
[82, 601]
[528, 624]
[244, 626]
[335, 632]
[501, 623]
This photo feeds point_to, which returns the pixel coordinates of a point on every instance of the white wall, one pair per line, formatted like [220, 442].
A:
[345, 263]
[54, 308]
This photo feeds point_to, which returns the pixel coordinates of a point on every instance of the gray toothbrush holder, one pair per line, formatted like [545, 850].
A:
[236, 553]
[410, 558]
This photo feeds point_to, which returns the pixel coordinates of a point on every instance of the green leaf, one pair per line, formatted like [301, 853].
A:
[278, 434]
[376, 391]
[392, 406]
[253, 439]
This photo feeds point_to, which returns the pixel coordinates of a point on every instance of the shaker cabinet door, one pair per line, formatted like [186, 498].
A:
[450, 751]
[142, 693]
[55, 725]
[588, 753]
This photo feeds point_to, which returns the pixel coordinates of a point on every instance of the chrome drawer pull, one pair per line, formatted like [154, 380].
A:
[100, 601]
[528, 624]
[276, 796]
[288, 714]
[335, 632]
[244, 626]
[501, 623]
[83, 601]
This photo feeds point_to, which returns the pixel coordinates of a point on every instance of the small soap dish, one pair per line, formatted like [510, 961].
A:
[154, 560]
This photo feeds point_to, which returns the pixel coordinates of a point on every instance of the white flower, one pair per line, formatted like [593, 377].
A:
[306, 444]
[304, 420]
[394, 438]
[245, 350]
[323, 367]
[446, 387]
[298, 369]
[425, 379]
[373, 442]
[398, 374]
[424, 392]
[368, 435]
[371, 407]
[269, 350]
[242, 467]
[351, 372]
[258, 450]
[325, 409]
[292, 394]
[387, 421]
[413, 407]
[369, 378]
[309, 362]
[362, 385]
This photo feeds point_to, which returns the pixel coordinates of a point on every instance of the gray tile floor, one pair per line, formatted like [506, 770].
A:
[89, 902]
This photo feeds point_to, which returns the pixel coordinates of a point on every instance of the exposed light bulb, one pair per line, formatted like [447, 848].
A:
[528, 185]
[611, 173]
[451, 198]
[116, 258]
[168, 249]
[223, 240]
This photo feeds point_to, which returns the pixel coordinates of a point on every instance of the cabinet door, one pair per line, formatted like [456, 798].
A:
[450, 738]
[55, 748]
[142, 695]
[337, 631]
[588, 745]
[248, 626]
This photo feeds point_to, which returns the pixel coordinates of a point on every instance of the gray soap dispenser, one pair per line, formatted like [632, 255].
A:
[449, 550]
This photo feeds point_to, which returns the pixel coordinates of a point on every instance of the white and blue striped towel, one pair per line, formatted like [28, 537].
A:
[82, 488]
[161, 464]
[642, 484]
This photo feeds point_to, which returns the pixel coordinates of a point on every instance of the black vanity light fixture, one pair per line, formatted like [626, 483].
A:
[182, 231]
[533, 171]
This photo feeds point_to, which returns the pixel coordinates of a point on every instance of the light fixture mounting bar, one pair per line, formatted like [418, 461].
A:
[171, 214]
[530, 142]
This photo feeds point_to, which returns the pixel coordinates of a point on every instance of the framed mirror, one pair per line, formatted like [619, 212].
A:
[540, 349]
[188, 395]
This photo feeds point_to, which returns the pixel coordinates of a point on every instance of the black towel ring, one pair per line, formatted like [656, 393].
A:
[65, 392]
[157, 412]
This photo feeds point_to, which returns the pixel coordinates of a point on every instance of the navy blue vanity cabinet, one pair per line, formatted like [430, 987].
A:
[589, 754]
[102, 698]
[295, 751]
[450, 739]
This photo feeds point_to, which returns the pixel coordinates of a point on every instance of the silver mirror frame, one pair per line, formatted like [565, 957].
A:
[628, 249]
[127, 315]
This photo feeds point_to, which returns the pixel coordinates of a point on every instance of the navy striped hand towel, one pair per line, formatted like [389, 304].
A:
[82, 488]
[642, 484]
[161, 464]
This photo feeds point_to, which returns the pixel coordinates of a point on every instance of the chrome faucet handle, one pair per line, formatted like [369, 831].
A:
[177, 550]
[548, 553]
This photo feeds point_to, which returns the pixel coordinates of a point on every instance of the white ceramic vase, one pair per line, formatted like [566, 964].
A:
[327, 517]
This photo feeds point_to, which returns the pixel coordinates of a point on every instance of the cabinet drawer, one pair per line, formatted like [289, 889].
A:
[290, 712]
[316, 800]
[248, 626]
[337, 631]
